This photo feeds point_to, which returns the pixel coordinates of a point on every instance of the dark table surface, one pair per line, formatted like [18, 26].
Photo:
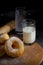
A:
[39, 37]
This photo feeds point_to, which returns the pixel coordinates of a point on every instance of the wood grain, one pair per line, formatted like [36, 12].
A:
[32, 55]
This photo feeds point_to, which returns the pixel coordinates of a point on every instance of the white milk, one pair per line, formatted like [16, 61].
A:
[29, 34]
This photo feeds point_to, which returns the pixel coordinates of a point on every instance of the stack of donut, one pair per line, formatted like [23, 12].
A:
[13, 46]
[3, 38]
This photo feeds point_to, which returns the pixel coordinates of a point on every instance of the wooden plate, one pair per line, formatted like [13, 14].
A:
[32, 55]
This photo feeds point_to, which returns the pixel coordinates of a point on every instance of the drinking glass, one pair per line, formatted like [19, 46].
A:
[29, 31]
[20, 14]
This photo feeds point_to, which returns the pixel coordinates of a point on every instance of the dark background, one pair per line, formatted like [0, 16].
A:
[34, 8]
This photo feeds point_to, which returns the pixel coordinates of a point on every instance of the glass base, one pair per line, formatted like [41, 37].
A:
[29, 43]
[19, 34]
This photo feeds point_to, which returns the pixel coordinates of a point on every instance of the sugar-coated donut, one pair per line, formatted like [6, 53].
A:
[3, 37]
[14, 47]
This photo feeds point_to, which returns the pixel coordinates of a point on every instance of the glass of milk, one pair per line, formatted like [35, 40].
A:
[29, 31]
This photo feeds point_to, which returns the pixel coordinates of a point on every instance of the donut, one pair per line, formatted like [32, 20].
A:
[14, 47]
[3, 37]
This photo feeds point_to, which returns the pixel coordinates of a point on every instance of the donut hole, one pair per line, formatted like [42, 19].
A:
[15, 45]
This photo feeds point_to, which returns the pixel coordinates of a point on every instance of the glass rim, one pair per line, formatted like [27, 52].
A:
[31, 21]
[18, 8]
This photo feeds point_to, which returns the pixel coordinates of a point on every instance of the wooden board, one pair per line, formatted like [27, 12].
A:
[32, 55]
